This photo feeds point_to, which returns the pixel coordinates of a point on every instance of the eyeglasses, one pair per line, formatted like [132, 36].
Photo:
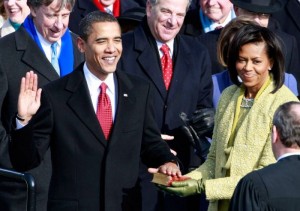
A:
[260, 16]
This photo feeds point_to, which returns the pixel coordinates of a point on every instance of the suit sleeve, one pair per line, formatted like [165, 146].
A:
[29, 144]
[155, 151]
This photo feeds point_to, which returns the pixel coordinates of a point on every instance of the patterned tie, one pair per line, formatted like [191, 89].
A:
[166, 64]
[104, 112]
[54, 57]
[109, 11]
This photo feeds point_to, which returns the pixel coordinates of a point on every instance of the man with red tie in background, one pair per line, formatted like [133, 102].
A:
[114, 7]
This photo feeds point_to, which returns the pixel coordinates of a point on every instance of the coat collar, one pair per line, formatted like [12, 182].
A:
[145, 44]
[33, 56]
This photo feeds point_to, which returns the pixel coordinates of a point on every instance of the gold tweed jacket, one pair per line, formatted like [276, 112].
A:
[252, 146]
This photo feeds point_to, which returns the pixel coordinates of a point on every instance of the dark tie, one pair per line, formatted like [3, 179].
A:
[166, 64]
[104, 113]
[54, 57]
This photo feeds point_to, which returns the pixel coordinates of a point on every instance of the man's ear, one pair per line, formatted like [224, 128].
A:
[275, 136]
[80, 44]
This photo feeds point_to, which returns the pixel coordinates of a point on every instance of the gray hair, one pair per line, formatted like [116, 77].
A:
[287, 122]
[154, 2]
[39, 3]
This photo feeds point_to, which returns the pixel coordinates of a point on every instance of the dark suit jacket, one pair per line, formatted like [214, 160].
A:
[192, 25]
[190, 88]
[19, 54]
[275, 187]
[83, 7]
[90, 173]
[289, 19]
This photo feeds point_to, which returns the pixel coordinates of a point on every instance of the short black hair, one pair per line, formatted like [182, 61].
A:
[91, 18]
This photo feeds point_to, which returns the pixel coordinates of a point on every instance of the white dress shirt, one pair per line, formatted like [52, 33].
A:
[170, 45]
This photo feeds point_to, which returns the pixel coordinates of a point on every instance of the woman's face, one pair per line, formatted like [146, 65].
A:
[253, 66]
[17, 10]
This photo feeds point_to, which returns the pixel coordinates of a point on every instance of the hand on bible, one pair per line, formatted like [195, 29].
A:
[184, 188]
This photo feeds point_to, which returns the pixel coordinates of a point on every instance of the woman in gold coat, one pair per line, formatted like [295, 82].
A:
[241, 138]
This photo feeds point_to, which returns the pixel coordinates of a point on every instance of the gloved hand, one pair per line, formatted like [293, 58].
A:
[202, 121]
[200, 125]
[185, 188]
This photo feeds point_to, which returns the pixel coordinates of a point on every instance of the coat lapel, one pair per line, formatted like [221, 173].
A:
[33, 55]
[126, 99]
[181, 67]
[148, 61]
[81, 104]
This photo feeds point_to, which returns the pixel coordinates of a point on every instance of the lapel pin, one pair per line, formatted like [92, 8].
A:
[125, 95]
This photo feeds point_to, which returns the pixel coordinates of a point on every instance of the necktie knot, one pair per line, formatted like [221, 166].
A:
[54, 48]
[103, 88]
[108, 11]
[165, 49]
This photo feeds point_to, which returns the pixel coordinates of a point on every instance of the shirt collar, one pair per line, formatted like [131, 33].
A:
[170, 45]
[94, 82]
[287, 155]
[209, 25]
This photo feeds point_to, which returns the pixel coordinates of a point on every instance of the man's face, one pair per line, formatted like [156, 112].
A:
[261, 18]
[166, 18]
[51, 21]
[107, 3]
[216, 10]
[16, 10]
[102, 49]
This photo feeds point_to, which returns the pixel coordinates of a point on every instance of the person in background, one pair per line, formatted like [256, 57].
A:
[243, 118]
[275, 187]
[17, 11]
[131, 18]
[98, 122]
[261, 12]
[222, 80]
[29, 48]
[2, 13]
[210, 15]
[179, 69]
[288, 18]
[114, 7]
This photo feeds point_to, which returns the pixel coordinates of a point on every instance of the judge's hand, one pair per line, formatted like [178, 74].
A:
[29, 97]
[184, 188]
[169, 168]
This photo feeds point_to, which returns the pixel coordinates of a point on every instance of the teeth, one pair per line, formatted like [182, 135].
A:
[110, 59]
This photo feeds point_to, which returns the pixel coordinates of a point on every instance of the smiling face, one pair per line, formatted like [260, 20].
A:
[51, 21]
[253, 67]
[216, 10]
[102, 49]
[16, 10]
[166, 18]
[107, 3]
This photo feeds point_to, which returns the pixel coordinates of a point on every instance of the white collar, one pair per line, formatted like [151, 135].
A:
[287, 155]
